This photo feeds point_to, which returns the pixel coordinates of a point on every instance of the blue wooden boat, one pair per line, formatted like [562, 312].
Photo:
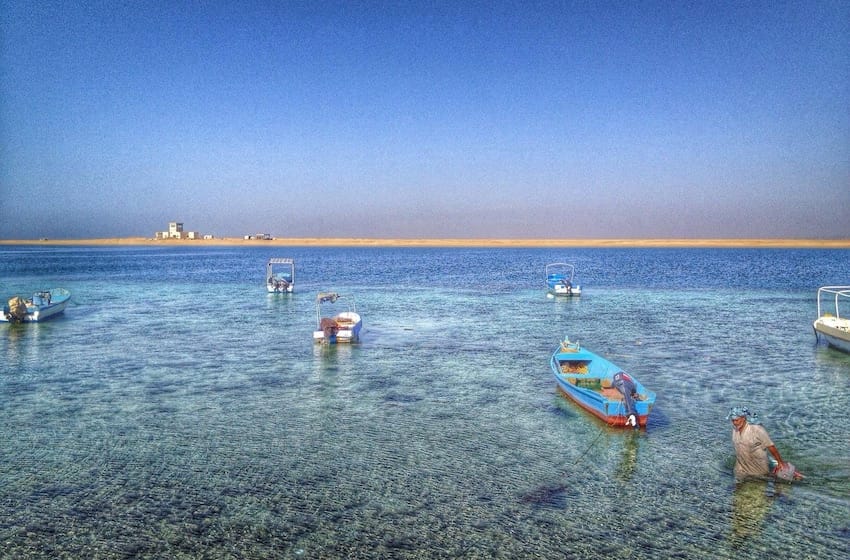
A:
[600, 387]
[42, 305]
[560, 280]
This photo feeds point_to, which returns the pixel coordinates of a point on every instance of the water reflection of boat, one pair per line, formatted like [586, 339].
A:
[331, 358]
[42, 305]
[628, 460]
[830, 324]
[24, 343]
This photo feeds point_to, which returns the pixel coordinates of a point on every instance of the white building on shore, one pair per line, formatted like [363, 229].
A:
[175, 231]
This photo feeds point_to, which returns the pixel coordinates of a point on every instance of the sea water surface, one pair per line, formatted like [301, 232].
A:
[177, 410]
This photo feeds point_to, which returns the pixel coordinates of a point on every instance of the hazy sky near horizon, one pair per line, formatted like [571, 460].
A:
[425, 119]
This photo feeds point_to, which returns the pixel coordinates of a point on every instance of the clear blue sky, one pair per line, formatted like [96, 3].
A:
[425, 119]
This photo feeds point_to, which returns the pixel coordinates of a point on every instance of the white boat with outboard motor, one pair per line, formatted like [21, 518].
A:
[833, 321]
[280, 276]
[560, 280]
[340, 323]
[43, 304]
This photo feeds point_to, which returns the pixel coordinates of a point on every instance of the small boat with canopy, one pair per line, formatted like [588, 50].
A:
[280, 276]
[337, 320]
[42, 305]
[560, 280]
[831, 324]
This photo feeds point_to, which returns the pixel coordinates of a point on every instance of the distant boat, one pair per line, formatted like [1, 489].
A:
[341, 324]
[560, 280]
[280, 279]
[600, 387]
[42, 305]
[831, 325]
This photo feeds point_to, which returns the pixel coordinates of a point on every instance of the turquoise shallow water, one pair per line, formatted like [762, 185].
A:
[176, 410]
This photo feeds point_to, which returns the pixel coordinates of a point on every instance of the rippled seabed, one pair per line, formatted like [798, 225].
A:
[176, 410]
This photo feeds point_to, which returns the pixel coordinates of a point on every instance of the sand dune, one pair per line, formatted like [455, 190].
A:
[435, 242]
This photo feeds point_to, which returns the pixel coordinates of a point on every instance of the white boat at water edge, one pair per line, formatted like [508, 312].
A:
[341, 324]
[42, 305]
[831, 324]
[560, 280]
[280, 276]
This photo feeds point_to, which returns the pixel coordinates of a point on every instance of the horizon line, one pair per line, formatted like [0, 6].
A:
[451, 242]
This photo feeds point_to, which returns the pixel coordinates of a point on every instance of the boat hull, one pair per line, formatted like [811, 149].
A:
[38, 309]
[835, 330]
[613, 414]
[565, 291]
[278, 289]
[588, 380]
[348, 331]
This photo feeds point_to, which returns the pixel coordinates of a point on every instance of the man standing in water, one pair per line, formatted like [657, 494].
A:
[752, 444]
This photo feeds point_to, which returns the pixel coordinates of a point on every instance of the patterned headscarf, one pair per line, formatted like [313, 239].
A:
[738, 411]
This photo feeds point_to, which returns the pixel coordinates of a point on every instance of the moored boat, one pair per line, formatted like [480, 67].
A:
[831, 325]
[560, 280]
[600, 387]
[341, 323]
[280, 276]
[42, 305]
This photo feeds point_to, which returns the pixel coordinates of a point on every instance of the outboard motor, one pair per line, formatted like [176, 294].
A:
[17, 310]
[626, 386]
[329, 328]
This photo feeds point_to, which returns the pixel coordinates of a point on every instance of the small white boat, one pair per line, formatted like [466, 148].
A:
[560, 280]
[280, 279]
[42, 305]
[831, 324]
[340, 323]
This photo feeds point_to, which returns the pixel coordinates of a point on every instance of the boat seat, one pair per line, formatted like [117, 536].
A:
[612, 394]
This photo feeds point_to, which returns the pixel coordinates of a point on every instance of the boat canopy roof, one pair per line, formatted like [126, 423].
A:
[837, 290]
[277, 260]
[323, 297]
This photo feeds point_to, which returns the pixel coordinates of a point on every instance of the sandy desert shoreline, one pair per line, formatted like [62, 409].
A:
[484, 243]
